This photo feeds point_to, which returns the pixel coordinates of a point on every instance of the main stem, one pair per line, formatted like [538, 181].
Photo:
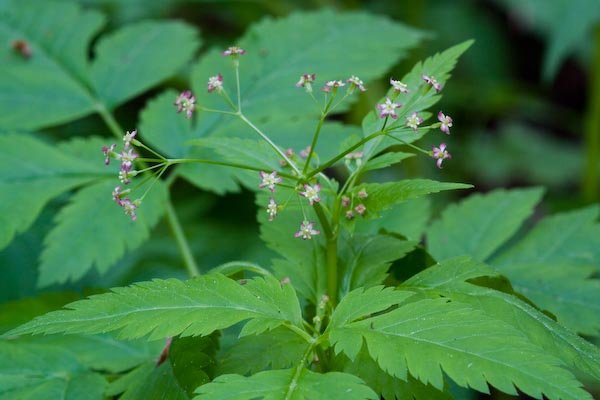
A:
[172, 220]
[313, 144]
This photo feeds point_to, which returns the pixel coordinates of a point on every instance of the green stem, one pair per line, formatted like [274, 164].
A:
[237, 82]
[212, 110]
[313, 144]
[110, 121]
[172, 161]
[182, 243]
[300, 332]
[270, 142]
[592, 131]
[294, 383]
[233, 267]
[330, 231]
[427, 153]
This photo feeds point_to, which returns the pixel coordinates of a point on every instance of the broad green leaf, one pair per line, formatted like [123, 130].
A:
[365, 260]
[571, 238]
[49, 87]
[448, 279]
[386, 160]
[286, 384]
[408, 218]
[17, 312]
[361, 303]
[138, 56]
[331, 44]
[386, 385]
[417, 99]
[471, 348]
[162, 308]
[34, 173]
[29, 372]
[148, 381]
[383, 196]
[275, 349]
[479, 225]
[112, 232]
[193, 360]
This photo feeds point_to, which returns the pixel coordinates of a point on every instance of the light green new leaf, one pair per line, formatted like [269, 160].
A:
[161, 308]
[92, 213]
[148, 381]
[33, 174]
[285, 384]
[361, 303]
[418, 99]
[331, 44]
[382, 196]
[479, 225]
[448, 279]
[138, 56]
[275, 349]
[365, 260]
[31, 372]
[427, 337]
[47, 88]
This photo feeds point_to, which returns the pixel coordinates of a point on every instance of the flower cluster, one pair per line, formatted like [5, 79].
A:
[215, 83]
[186, 102]
[360, 208]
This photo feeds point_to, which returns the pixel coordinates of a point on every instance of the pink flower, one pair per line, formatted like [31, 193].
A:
[215, 83]
[127, 156]
[312, 193]
[108, 153]
[360, 209]
[355, 82]
[345, 201]
[331, 86]
[398, 86]
[305, 152]
[128, 137]
[431, 81]
[414, 121]
[306, 231]
[234, 51]
[116, 195]
[272, 209]
[269, 180]
[306, 80]
[186, 102]
[446, 122]
[362, 194]
[440, 154]
[388, 109]
[129, 208]
[349, 214]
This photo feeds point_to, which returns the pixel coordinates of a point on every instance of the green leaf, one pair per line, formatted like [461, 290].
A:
[138, 56]
[331, 44]
[35, 173]
[275, 349]
[193, 360]
[386, 160]
[162, 308]
[365, 260]
[471, 348]
[48, 88]
[112, 232]
[408, 219]
[29, 372]
[17, 312]
[416, 100]
[361, 303]
[479, 225]
[382, 196]
[388, 386]
[448, 279]
[285, 384]
[150, 382]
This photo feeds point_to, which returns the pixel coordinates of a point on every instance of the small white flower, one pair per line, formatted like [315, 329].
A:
[215, 83]
[355, 82]
[414, 121]
[398, 86]
[306, 231]
[272, 209]
[312, 193]
[269, 180]
[388, 109]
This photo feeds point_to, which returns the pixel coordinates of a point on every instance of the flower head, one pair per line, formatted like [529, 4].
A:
[306, 231]
[440, 154]
[362, 194]
[129, 207]
[398, 86]
[269, 180]
[345, 201]
[21, 47]
[349, 214]
[186, 102]
[331, 86]
[272, 209]
[388, 109]
[108, 152]
[127, 156]
[305, 152]
[306, 81]
[446, 121]
[312, 193]
[360, 209]
[215, 83]
[234, 51]
[356, 83]
[433, 82]
[125, 174]
[413, 121]
[128, 137]
[116, 195]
